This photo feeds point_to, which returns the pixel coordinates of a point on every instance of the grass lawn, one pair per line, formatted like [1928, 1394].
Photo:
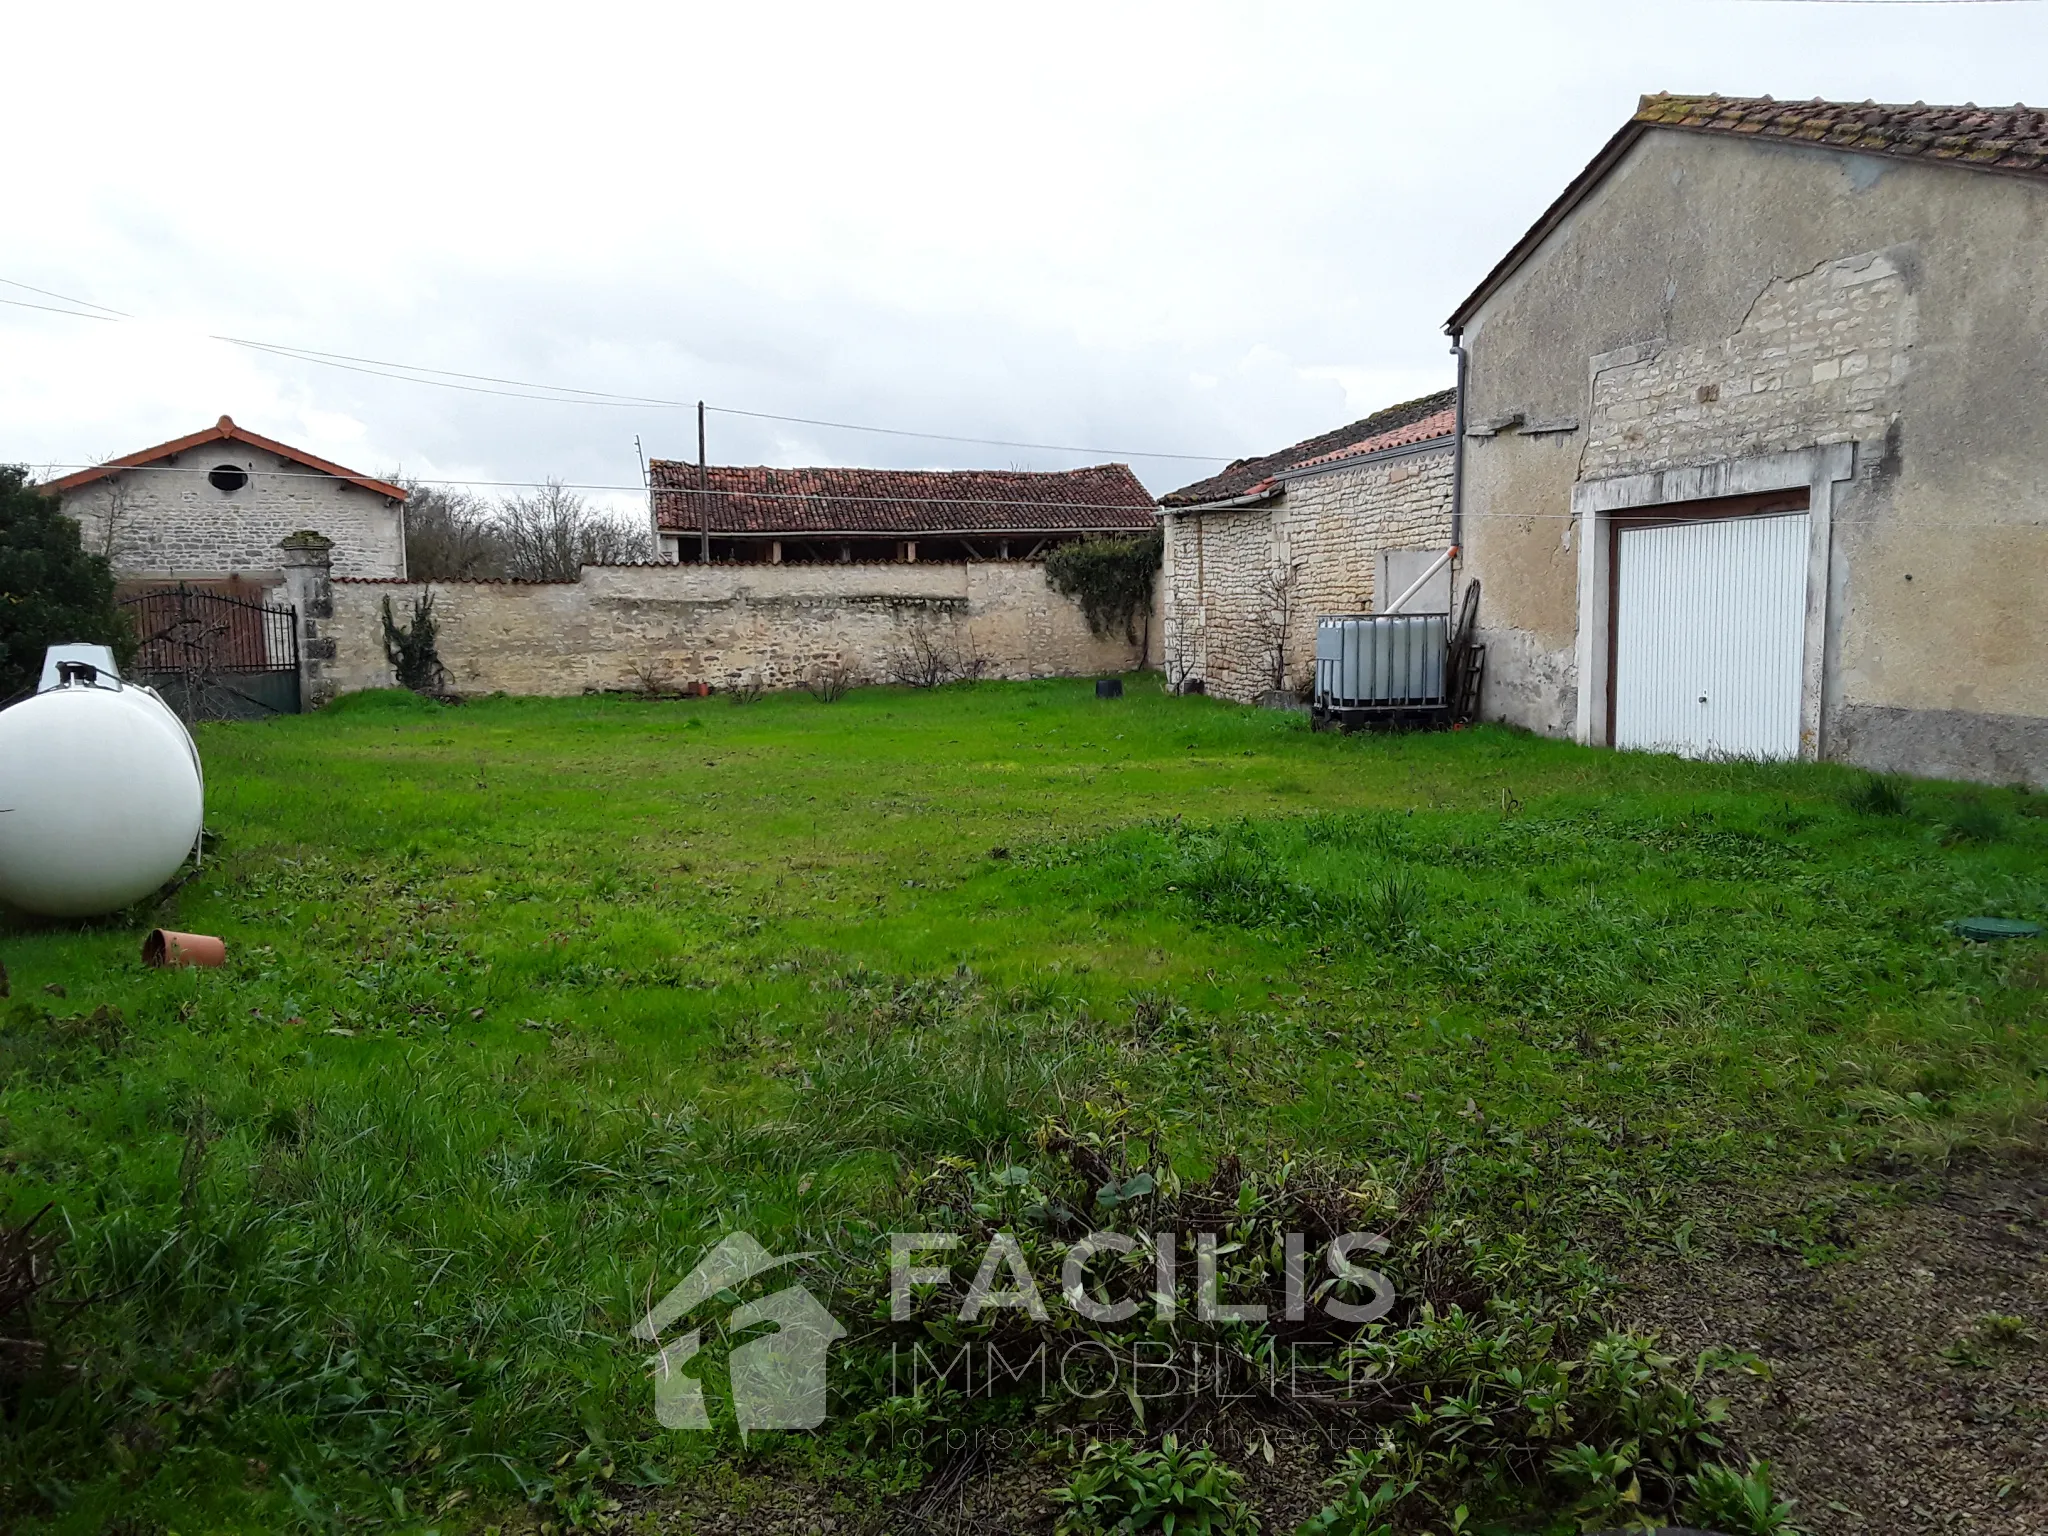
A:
[530, 1001]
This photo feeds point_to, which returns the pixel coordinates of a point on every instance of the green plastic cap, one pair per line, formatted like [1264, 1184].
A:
[1984, 929]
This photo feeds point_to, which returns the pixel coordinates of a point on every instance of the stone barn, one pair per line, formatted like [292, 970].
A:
[1339, 523]
[1756, 447]
[210, 509]
[757, 515]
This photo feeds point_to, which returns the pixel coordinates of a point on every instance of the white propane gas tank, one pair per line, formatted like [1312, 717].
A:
[100, 797]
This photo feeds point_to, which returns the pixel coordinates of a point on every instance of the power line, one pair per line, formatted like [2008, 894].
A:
[311, 355]
[383, 372]
[76, 314]
[67, 298]
[991, 442]
[562, 394]
[565, 394]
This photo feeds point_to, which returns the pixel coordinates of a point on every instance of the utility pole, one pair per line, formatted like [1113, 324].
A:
[703, 491]
[646, 484]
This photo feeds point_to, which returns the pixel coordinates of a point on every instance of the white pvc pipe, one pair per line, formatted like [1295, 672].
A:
[1421, 581]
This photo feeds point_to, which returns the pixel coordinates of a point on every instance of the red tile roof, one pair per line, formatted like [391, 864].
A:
[903, 503]
[222, 431]
[1413, 421]
[1441, 424]
[2010, 140]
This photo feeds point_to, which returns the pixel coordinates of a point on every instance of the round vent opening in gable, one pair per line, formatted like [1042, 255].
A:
[227, 477]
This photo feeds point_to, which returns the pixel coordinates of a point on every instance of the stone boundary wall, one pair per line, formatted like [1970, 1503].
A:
[625, 627]
[1241, 585]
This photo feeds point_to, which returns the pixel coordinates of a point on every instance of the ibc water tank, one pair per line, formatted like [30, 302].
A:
[101, 796]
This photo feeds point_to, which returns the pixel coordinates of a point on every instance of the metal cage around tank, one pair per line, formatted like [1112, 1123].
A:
[1382, 661]
[1398, 669]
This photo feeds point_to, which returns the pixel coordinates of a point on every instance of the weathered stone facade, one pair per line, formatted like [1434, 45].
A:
[1723, 316]
[1817, 359]
[1245, 586]
[168, 521]
[625, 627]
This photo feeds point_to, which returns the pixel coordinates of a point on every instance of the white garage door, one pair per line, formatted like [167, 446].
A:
[1710, 630]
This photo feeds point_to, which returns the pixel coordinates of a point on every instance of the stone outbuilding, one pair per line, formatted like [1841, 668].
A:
[210, 509]
[1339, 523]
[760, 515]
[1756, 447]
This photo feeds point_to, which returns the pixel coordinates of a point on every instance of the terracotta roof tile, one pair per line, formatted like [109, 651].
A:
[222, 431]
[2011, 138]
[907, 503]
[1439, 424]
[1412, 421]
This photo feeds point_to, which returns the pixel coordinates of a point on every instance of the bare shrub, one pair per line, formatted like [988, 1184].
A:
[746, 691]
[828, 685]
[1181, 650]
[25, 1256]
[652, 679]
[930, 653]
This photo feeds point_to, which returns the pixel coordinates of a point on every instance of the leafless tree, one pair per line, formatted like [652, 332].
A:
[552, 532]
[456, 535]
[1277, 592]
[1180, 644]
[116, 508]
[452, 535]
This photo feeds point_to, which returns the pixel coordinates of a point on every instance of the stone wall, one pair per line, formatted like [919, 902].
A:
[1816, 360]
[168, 521]
[1244, 588]
[623, 627]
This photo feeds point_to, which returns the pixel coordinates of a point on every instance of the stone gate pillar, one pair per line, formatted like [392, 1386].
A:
[309, 585]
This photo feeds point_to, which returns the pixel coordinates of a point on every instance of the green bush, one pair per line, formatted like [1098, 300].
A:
[410, 647]
[1740, 1503]
[51, 589]
[1354, 1512]
[1119, 1491]
[1110, 578]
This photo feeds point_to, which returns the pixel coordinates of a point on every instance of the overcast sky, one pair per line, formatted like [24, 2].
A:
[1182, 228]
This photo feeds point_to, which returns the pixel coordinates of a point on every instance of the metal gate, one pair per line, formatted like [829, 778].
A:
[1709, 636]
[214, 657]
